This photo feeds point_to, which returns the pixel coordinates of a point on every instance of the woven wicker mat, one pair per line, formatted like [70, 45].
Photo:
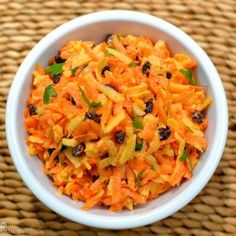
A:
[211, 23]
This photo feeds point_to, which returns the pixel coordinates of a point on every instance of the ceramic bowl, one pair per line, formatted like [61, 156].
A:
[95, 27]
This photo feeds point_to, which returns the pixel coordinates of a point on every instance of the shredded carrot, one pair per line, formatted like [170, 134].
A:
[118, 123]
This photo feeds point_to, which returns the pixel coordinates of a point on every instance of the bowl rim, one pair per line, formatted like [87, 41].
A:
[79, 215]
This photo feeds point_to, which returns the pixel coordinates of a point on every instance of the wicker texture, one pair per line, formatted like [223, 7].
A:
[211, 23]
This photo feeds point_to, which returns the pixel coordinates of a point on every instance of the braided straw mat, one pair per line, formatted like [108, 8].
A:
[211, 23]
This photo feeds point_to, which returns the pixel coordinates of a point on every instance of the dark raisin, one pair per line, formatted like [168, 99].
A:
[62, 148]
[32, 109]
[50, 151]
[93, 116]
[168, 75]
[78, 150]
[57, 158]
[89, 115]
[72, 101]
[233, 127]
[197, 117]
[149, 106]
[111, 86]
[105, 155]
[95, 177]
[146, 68]
[58, 59]
[93, 46]
[105, 68]
[108, 38]
[120, 137]
[55, 78]
[164, 133]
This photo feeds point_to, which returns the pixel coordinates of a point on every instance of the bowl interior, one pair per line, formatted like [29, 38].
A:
[96, 32]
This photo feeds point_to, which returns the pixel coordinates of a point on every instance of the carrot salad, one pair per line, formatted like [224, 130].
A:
[118, 123]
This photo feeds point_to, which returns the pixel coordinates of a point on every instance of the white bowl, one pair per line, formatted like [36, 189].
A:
[95, 27]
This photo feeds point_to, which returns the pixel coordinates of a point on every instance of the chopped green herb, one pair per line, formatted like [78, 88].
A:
[188, 75]
[73, 71]
[184, 156]
[48, 93]
[84, 96]
[139, 145]
[137, 123]
[55, 69]
[118, 37]
[95, 104]
[138, 178]
[112, 47]
[91, 104]
[132, 64]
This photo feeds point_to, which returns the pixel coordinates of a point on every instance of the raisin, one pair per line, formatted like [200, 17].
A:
[55, 78]
[62, 148]
[32, 109]
[197, 117]
[93, 116]
[105, 68]
[164, 133]
[168, 75]
[146, 68]
[78, 150]
[93, 46]
[149, 106]
[105, 155]
[120, 137]
[233, 127]
[95, 177]
[58, 59]
[72, 101]
[57, 159]
[50, 151]
[108, 38]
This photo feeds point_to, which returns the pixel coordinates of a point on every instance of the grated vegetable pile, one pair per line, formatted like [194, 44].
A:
[117, 123]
